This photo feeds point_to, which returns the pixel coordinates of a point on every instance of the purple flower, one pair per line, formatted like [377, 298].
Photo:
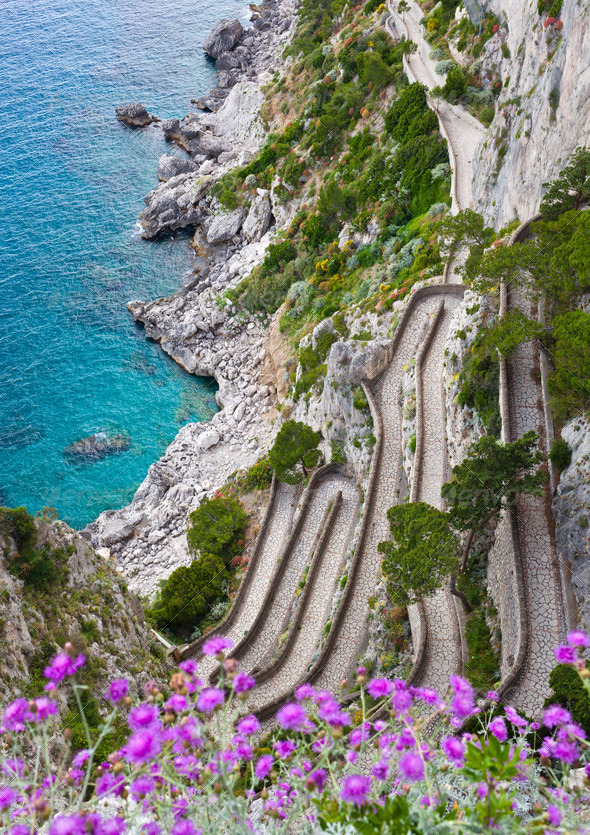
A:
[61, 666]
[176, 704]
[142, 786]
[189, 666]
[216, 645]
[454, 750]
[285, 747]
[110, 784]
[402, 700]
[291, 717]
[577, 638]
[430, 697]
[185, 827]
[553, 813]
[15, 715]
[68, 825]
[242, 682]
[187, 766]
[20, 829]
[143, 716]
[359, 735]
[318, 778]
[355, 789]
[112, 826]
[44, 709]
[482, 790]
[151, 828]
[142, 747]
[498, 727]
[7, 797]
[565, 655]
[263, 766]
[493, 696]
[405, 739]
[379, 687]
[380, 769]
[556, 715]
[304, 691]
[514, 718]
[81, 757]
[462, 704]
[411, 767]
[248, 725]
[118, 690]
[209, 699]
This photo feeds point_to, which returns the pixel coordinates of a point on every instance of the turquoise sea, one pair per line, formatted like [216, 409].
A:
[72, 182]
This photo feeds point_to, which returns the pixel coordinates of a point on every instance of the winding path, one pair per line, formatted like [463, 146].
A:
[462, 131]
[437, 623]
[272, 537]
[256, 650]
[281, 619]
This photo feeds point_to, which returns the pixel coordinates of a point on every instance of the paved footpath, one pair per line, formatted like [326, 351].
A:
[462, 130]
[279, 527]
[294, 666]
[444, 647]
[278, 616]
[387, 399]
[546, 613]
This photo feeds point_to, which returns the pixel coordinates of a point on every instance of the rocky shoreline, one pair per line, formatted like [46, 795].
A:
[147, 538]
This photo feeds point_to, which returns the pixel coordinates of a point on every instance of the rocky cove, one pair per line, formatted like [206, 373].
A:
[196, 327]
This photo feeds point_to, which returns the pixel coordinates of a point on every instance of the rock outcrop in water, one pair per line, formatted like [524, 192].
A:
[174, 205]
[95, 447]
[169, 166]
[223, 38]
[135, 115]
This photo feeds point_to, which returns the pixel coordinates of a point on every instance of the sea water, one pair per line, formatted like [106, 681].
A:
[72, 182]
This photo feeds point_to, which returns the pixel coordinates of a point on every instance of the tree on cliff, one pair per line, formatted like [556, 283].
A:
[571, 189]
[217, 527]
[423, 554]
[295, 452]
[489, 479]
[190, 591]
[426, 548]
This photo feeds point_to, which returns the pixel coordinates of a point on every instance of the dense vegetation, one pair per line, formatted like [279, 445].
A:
[348, 173]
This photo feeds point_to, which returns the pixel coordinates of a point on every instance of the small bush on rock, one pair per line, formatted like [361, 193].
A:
[216, 527]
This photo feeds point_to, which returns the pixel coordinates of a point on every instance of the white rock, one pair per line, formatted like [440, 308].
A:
[207, 440]
[105, 553]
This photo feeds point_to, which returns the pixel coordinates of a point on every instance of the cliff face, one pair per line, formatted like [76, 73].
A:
[544, 109]
[83, 600]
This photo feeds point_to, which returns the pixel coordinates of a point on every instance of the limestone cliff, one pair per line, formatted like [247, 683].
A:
[543, 111]
[77, 597]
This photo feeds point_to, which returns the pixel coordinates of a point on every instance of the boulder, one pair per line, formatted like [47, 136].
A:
[174, 204]
[224, 36]
[208, 439]
[209, 102]
[214, 145]
[224, 226]
[228, 61]
[258, 220]
[134, 114]
[116, 530]
[95, 447]
[169, 166]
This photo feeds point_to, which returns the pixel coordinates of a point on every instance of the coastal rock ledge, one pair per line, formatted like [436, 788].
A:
[135, 115]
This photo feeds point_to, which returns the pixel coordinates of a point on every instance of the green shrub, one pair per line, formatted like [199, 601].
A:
[561, 454]
[258, 477]
[20, 525]
[189, 592]
[217, 527]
